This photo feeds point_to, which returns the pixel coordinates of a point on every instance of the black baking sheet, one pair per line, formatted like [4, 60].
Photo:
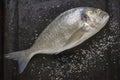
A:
[98, 58]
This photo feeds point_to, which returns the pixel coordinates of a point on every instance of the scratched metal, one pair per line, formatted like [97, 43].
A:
[96, 59]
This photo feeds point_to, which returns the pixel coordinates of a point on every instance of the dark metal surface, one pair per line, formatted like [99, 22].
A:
[96, 59]
[1, 39]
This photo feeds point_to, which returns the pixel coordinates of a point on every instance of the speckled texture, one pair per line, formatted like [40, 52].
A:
[1, 39]
[96, 59]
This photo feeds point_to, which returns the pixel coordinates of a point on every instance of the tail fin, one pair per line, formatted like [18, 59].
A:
[22, 57]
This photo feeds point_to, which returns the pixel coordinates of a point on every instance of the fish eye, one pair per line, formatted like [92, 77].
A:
[98, 10]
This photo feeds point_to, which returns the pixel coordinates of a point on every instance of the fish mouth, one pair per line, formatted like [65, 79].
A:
[104, 15]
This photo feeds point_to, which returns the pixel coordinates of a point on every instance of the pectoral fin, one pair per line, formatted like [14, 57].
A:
[75, 37]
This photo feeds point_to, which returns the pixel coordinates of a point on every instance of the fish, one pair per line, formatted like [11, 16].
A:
[69, 29]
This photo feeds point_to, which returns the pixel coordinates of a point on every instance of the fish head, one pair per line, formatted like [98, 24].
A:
[95, 17]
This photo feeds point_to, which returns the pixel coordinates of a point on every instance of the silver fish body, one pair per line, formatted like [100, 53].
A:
[68, 30]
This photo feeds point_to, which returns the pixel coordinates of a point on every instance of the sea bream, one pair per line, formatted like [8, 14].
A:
[68, 30]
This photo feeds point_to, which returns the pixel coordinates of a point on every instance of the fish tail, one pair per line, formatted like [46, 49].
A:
[22, 57]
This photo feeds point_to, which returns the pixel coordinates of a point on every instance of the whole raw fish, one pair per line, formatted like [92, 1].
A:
[68, 30]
